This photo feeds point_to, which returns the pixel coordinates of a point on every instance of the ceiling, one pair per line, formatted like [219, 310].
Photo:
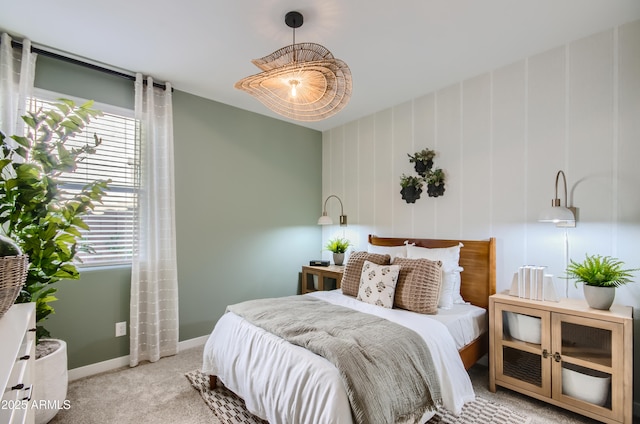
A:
[396, 50]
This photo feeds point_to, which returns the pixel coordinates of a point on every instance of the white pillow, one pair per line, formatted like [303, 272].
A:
[449, 256]
[378, 284]
[393, 251]
[446, 292]
[450, 291]
[455, 276]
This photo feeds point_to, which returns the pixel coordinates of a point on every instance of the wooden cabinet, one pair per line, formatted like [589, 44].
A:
[321, 278]
[17, 359]
[564, 353]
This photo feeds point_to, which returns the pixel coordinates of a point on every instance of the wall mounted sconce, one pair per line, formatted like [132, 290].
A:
[326, 219]
[562, 216]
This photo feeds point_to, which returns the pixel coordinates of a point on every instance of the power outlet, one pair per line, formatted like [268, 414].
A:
[121, 328]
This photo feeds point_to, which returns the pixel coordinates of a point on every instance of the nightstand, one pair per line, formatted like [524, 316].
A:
[564, 353]
[314, 276]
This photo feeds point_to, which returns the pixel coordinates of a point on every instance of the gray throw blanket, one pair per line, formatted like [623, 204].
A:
[387, 369]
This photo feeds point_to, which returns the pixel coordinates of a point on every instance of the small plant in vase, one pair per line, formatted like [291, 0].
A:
[338, 246]
[411, 187]
[435, 183]
[422, 161]
[600, 275]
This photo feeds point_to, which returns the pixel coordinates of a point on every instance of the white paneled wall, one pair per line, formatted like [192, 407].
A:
[500, 138]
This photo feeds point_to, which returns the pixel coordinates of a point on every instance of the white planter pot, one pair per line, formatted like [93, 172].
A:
[338, 258]
[50, 383]
[599, 297]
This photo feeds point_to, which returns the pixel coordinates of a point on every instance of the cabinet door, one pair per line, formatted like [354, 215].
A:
[588, 364]
[521, 346]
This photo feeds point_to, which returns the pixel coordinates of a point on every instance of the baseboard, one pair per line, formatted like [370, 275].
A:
[123, 361]
[188, 344]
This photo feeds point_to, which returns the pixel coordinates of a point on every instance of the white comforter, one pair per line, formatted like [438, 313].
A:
[284, 383]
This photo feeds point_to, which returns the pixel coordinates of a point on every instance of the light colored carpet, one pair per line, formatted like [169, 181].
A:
[153, 393]
[159, 393]
[230, 409]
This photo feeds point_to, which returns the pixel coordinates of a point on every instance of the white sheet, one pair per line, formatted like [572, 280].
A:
[283, 383]
[465, 322]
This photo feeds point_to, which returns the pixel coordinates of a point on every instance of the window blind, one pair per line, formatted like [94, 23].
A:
[109, 240]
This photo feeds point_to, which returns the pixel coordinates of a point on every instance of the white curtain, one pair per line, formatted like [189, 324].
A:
[17, 72]
[154, 277]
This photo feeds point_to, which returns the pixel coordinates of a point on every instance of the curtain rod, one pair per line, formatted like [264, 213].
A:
[17, 44]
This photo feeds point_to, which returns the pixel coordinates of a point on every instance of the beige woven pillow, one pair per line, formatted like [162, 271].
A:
[353, 270]
[419, 283]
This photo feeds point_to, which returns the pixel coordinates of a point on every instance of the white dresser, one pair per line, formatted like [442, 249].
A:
[17, 359]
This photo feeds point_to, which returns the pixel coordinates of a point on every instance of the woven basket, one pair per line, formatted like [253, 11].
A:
[13, 272]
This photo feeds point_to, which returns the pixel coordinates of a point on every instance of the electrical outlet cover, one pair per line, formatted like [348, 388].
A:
[121, 329]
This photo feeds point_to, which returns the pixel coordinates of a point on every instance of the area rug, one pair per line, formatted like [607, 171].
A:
[230, 409]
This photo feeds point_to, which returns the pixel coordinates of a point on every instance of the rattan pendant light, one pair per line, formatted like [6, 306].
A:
[302, 81]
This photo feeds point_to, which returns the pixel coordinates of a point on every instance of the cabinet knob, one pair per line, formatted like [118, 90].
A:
[18, 387]
[545, 353]
[557, 357]
[25, 357]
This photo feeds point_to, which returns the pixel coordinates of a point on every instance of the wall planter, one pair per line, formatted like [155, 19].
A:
[411, 194]
[411, 187]
[434, 179]
[435, 183]
[422, 161]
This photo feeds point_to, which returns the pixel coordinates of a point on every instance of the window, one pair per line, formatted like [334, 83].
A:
[110, 237]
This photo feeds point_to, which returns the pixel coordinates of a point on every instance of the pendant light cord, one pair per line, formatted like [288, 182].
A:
[293, 46]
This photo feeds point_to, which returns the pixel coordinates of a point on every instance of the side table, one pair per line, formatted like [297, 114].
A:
[313, 277]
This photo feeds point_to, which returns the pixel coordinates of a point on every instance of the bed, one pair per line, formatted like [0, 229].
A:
[284, 383]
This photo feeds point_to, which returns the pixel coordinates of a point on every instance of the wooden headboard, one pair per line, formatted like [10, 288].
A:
[477, 257]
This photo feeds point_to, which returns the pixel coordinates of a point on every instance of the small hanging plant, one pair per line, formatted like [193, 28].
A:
[411, 187]
[435, 183]
[422, 161]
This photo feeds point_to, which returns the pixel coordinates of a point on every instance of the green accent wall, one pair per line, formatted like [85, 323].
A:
[248, 194]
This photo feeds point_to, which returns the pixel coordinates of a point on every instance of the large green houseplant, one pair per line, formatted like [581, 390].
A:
[600, 275]
[36, 210]
[44, 218]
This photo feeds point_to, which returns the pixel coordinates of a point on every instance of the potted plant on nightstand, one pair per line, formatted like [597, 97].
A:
[44, 218]
[338, 246]
[600, 275]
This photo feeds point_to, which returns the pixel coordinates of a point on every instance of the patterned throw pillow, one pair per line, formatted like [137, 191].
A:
[378, 284]
[418, 287]
[353, 269]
